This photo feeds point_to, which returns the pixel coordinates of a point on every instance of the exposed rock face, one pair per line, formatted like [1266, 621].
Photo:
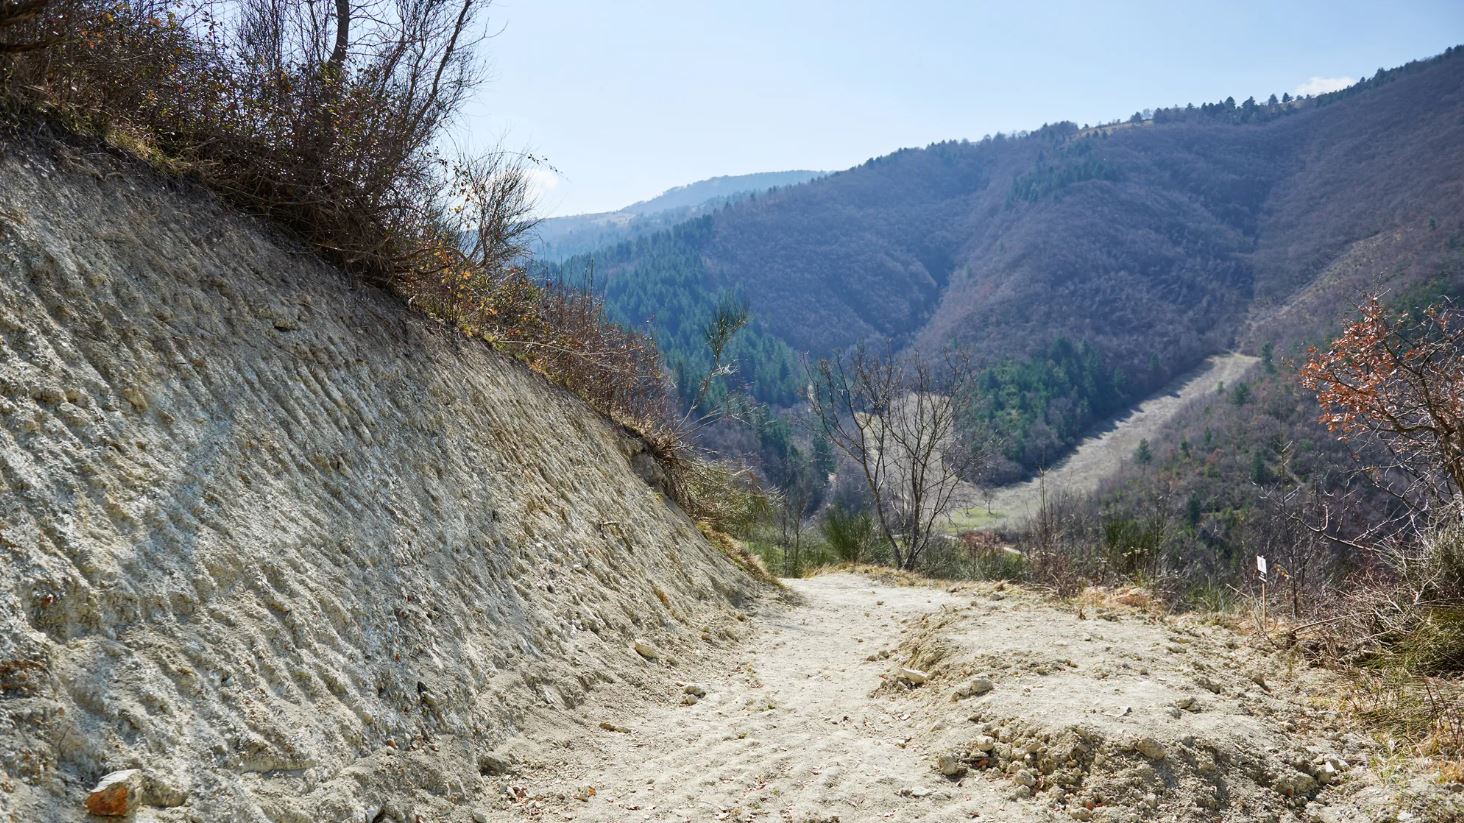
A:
[300, 553]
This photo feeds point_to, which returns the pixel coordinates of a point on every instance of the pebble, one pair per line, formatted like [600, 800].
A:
[1150, 748]
[950, 765]
[915, 791]
[492, 764]
[646, 650]
[979, 686]
[1327, 769]
[116, 794]
[914, 677]
[1295, 783]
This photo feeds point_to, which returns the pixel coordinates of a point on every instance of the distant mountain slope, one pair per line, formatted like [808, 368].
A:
[562, 237]
[1100, 456]
[717, 189]
[1154, 242]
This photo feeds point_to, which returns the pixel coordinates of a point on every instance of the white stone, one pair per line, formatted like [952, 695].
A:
[914, 677]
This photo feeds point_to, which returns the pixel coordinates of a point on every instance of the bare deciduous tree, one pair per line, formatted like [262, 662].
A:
[897, 418]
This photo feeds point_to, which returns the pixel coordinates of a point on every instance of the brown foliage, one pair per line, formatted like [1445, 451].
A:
[1399, 380]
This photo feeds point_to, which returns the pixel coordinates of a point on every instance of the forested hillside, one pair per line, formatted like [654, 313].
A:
[1231, 471]
[661, 284]
[1144, 245]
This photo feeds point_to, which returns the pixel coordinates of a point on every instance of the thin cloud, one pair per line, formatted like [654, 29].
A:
[544, 188]
[543, 180]
[1323, 85]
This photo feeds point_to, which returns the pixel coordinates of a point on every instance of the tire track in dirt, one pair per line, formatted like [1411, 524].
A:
[1028, 709]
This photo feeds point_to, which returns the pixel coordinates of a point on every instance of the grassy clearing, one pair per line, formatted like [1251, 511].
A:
[975, 518]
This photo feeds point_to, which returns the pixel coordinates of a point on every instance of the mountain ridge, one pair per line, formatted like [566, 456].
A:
[568, 235]
[1151, 241]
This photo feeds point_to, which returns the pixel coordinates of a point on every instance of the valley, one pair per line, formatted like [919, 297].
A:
[1108, 472]
[1099, 456]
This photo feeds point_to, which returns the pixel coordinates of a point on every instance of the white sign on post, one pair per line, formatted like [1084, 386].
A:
[1261, 565]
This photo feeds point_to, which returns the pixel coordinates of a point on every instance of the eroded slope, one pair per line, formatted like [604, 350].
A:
[296, 552]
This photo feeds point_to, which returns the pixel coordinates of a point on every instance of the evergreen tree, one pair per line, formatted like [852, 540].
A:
[1144, 454]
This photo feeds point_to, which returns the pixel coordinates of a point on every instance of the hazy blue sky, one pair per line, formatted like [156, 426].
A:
[629, 97]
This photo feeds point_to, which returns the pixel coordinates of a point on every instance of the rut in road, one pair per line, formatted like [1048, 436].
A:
[788, 731]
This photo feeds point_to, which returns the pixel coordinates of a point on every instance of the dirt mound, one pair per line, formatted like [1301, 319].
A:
[882, 699]
[1117, 714]
[292, 551]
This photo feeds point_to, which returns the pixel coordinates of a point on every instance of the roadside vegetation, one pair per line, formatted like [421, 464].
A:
[328, 118]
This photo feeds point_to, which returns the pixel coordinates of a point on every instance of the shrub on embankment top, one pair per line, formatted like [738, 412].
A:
[326, 117]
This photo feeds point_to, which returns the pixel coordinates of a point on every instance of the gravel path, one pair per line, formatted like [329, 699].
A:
[787, 731]
[1038, 710]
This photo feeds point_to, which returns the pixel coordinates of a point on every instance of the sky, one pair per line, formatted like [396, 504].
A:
[627, 98]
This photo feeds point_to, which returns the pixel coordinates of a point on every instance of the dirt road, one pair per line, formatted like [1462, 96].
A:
[1098, 456]
[1044, 711]
[788, 732]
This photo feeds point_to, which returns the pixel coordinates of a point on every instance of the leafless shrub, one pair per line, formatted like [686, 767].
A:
[896, 418]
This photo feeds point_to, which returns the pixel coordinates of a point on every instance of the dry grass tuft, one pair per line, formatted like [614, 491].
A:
[1416, 714]
[1132, 597]
[733, 549]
